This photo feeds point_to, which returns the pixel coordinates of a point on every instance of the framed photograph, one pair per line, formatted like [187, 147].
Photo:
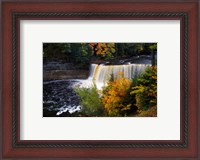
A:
[100, 79]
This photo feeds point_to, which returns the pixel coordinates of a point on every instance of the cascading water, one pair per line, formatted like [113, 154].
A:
[100, 74]
[93, 68]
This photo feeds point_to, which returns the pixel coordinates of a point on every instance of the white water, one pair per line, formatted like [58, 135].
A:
[100, 74]
[70, 109]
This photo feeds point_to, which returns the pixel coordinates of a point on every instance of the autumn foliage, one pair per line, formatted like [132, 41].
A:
[114, 96]
[105, 50]
[123, 96]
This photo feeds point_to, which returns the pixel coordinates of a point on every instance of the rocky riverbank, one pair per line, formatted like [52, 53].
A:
[59, 70]
[65, 74]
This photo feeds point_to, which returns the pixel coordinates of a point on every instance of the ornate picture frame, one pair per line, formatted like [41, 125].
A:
[13, 12]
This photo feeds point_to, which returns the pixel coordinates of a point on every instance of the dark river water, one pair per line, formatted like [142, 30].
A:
[59, 98]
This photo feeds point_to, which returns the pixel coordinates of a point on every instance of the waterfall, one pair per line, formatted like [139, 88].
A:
[93, 68]
[100, 74]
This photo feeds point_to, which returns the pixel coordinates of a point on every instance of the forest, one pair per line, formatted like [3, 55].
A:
[85, 53]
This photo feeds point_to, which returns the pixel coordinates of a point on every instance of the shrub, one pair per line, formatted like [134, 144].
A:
[114, 97]
[151, 112]
[90, 101]
[146, 90]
